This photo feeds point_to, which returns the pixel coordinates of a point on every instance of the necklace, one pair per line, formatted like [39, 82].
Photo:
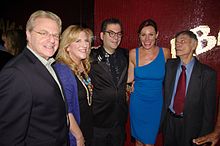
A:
[86, 82]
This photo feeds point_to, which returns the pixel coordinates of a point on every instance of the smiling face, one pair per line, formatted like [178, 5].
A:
[148, 37]
[111, 42]
[79, 49]
[44, 38]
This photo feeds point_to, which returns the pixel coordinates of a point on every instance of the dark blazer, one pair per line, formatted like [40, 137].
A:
[32, 111]
[200, 101]
[109, 99]
[4, 58]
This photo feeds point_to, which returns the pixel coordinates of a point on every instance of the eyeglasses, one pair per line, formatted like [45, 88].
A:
[46, 34]
[112, 34]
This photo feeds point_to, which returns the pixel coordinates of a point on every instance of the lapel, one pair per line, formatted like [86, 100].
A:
[124, 68]
[105, 68]
[98, 57]
[101, 61]
[193, 82]
[41, 70]
[172, 76]
[124, 73]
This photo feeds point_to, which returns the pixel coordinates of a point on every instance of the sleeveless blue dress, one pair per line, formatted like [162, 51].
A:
[147, 98]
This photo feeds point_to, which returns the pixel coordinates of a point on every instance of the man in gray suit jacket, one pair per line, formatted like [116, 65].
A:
[199, 101]
[33, 110]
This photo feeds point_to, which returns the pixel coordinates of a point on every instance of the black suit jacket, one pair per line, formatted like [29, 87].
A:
[32, 111]
[4, 58]
[109, 98]
[200, 101]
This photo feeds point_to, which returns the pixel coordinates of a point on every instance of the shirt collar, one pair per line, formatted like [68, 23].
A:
[190, 64]
[43, 60]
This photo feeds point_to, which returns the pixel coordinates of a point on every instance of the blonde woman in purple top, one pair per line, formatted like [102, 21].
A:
[73, 67]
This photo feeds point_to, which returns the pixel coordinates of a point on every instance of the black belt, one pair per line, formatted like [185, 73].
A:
[175, 115]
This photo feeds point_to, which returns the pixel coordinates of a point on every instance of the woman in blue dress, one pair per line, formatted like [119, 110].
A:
[146, 71]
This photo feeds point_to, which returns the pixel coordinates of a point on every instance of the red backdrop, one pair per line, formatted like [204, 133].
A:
[171, 16]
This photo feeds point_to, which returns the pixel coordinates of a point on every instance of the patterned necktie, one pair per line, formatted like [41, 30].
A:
[180, 92]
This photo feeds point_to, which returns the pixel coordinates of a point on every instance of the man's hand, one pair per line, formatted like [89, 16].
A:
[209, 138]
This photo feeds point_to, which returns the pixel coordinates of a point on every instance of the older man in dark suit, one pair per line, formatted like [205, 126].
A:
[190, 95]
[33, 111]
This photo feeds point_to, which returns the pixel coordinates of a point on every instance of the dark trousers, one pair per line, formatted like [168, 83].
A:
[109, 136]
[174, 132]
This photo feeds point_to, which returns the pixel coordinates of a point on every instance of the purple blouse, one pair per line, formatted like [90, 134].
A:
[69, 85]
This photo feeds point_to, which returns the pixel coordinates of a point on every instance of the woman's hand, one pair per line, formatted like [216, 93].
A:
[129, 89]
[80, 140]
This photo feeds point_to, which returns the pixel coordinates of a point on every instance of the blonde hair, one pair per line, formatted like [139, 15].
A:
[42, 14]
[68, 36]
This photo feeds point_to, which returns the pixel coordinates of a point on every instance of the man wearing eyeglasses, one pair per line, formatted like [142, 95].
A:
[109, 75]
[33, 110]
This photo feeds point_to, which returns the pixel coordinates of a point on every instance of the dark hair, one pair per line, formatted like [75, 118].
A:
[148, 22]
[108, 21]
[16, 40]
[1, 41]
[188, 33]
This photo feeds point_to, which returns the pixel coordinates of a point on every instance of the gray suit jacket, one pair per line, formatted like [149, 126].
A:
[200, 102]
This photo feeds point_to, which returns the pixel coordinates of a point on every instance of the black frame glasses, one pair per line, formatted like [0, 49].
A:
[112, 34]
